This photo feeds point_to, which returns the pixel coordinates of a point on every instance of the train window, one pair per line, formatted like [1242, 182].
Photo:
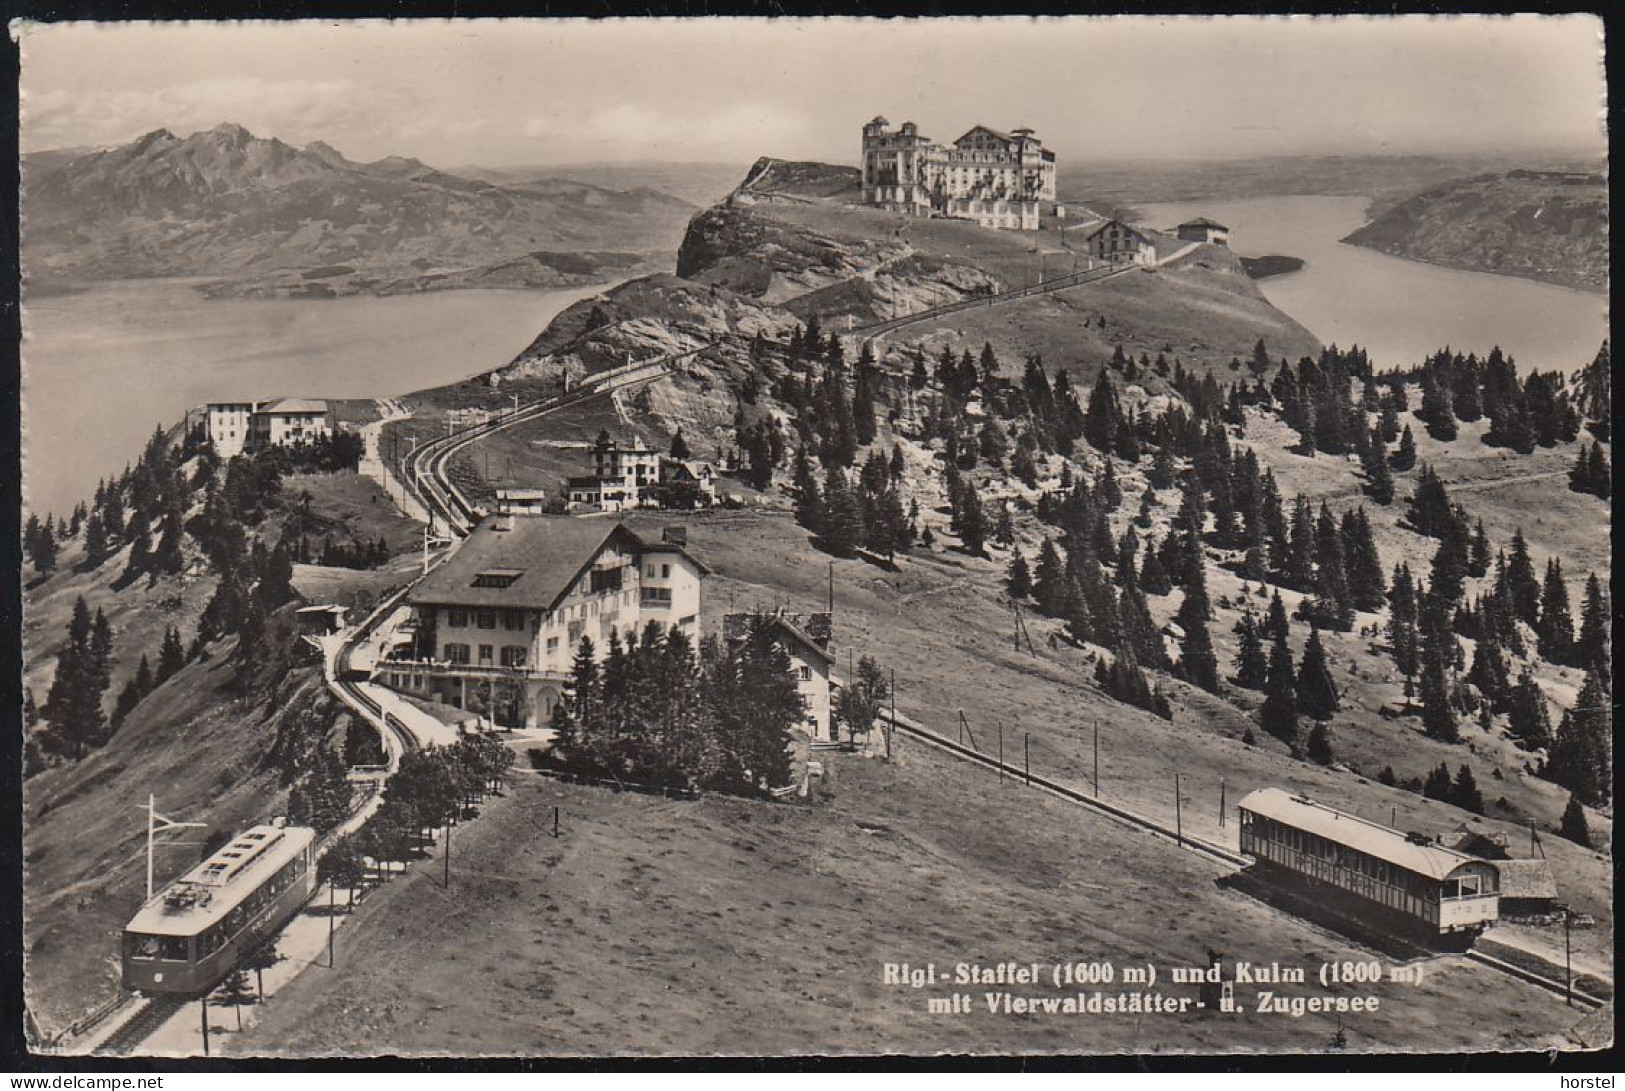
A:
[145, 947]
[173, 949]
[1450, 889]
[1469, 886]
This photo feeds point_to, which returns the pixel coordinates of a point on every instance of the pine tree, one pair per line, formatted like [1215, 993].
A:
[809, 500]
[973, 526]
[843, 522]
[1555, 629]
[140, 684]
[1379, 477]
[1574, 826]
[679, 446]
[1581, 757]
[1252, 666]
[1521, 581]
[42, 548]
[1439, 785]
[1464, 793]
[171, 656]
[1317, 693]
[1051, 585]
[1279, 715]
[1366, 586]
[1591, 647]
[1405, 457]
[1402, 631]
[1018, 580]
[1320, 745]
[1593, 395]
[73, 711]
[1438, 717]
[1527, 717]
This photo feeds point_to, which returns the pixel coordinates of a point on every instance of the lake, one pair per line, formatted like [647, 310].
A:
[102, 366]
[1399, 310]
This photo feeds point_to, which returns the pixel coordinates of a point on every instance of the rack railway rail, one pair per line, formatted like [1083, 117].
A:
[1580, 998]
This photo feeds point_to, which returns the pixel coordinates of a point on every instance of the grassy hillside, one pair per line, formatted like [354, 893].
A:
[200, 749]
[653, 927]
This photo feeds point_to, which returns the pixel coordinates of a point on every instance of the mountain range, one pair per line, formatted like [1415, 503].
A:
[260, 217]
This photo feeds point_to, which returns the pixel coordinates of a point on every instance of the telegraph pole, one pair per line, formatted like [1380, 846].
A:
[1097, 759]
[1179, 822]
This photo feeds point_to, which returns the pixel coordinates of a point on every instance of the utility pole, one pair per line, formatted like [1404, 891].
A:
[157, 823]
[1179, 823]
[1221, 803]
[1026, 757]
[204, 1002]
[893, 725]
[332, 916]
[1568, 960]
[1097, 759]
[832, 593]
[555, 823]
[1001, 750]
[448, 852]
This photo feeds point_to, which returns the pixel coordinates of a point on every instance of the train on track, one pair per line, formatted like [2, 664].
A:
[1385, 879]
[190, 935]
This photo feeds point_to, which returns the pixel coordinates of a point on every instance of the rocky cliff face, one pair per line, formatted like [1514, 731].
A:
[1543, 225]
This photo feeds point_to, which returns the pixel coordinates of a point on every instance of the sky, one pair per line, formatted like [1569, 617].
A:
[510, 93]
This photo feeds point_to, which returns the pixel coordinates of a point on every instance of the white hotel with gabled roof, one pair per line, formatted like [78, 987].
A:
[511, 605]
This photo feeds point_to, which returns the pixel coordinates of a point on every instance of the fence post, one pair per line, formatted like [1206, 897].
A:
[1026, 757]
[1221, 803]
[1001, 750]
[1097, 759]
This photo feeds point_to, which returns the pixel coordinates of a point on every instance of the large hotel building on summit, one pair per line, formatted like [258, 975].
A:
[993, 178]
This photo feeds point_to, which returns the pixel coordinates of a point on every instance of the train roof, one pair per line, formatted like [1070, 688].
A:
[214, 887]
[1373, 839]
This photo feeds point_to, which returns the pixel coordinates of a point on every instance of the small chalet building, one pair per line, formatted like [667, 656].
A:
[523, 501]
[806, 641]
[702, 475]
[509, 608]
[1203, 229]
[1114, 240]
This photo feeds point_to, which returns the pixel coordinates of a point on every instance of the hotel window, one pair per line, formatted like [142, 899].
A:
[513, 657]
[457, 653]
[552, 644]
[665, 571]
[487, 619]
[456, 619]
[485, 655]
[513, 620]
[804, 672]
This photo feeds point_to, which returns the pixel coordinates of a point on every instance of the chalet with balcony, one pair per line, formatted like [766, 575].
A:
[499, 623]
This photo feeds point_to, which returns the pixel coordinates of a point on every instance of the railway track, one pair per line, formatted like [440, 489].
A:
[1216, 853]
[1581, 999]
[152, 1013]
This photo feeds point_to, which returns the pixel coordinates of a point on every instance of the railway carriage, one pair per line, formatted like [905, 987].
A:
[190, 935]
[1380, 875]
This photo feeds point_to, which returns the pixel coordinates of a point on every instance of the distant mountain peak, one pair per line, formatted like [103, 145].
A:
[157, 136]
[230, 131]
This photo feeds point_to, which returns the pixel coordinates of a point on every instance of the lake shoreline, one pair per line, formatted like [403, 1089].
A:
[102, 365]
